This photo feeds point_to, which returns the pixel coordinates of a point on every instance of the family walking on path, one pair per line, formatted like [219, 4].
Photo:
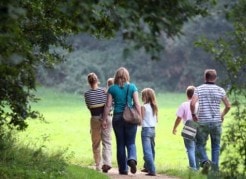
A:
[107, 106]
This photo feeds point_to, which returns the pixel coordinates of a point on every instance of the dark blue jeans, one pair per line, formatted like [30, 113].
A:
[125, 134]
[212, 129]
[148, 143]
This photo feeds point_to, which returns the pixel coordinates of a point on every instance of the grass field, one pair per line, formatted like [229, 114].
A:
[66, 128]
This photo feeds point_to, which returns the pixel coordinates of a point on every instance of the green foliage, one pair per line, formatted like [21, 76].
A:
[180, 65]
[144, 21]
[85, 173]
[174, 71]
[234, 164]
[184, 174]
[26, 34]
[31, 31]
[18, 160]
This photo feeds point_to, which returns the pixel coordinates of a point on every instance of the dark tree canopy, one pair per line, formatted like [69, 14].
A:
[29, 28]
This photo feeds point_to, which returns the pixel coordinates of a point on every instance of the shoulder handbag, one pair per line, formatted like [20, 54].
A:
[130, 114]
[189, 130]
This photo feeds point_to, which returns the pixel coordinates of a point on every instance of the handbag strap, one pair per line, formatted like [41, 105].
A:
[127, 94]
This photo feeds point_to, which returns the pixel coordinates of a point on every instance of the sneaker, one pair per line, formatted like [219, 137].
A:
[106, 168]
[205, 167]
[133, 167]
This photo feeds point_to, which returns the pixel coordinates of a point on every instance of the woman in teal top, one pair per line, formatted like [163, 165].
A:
[125, 133]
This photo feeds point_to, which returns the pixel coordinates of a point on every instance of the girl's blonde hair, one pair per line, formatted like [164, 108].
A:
[121, 76]
[148, 96]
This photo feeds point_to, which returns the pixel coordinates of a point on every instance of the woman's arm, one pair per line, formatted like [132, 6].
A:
[136, 102]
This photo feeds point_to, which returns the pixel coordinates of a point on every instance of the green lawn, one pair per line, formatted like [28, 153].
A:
[66, 128]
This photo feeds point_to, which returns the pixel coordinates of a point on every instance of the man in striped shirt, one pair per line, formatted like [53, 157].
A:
[209, 96]
[95, 99]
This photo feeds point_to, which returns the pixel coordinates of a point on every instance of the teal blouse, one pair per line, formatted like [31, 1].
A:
[119, 96]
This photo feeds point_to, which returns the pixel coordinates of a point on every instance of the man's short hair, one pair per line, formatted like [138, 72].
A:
[210, 74]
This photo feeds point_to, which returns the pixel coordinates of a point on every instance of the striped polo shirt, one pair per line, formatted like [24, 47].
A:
[95, 100]
[210, 97]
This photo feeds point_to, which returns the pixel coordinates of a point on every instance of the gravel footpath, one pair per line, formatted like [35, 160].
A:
[114, 174]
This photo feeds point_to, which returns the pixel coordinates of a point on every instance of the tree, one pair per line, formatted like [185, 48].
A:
[28, 30]
[230, 51]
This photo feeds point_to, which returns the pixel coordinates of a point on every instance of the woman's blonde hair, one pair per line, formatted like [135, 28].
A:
[148, 95]
[121, 76]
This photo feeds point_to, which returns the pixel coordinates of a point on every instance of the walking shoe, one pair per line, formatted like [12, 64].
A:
[106, 168]
[205, 167]
[144, 170]
[132, 165]
[123, 173]
[150, 174]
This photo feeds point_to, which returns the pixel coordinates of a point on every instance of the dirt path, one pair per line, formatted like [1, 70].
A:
[114, 174]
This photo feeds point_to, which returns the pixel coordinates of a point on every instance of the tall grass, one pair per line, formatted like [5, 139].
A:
[66, 128]
[18, 161]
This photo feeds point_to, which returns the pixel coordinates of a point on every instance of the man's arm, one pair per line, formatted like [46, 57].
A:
[227, 107]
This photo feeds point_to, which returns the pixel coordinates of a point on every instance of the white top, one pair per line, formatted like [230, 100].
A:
[149, 120]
